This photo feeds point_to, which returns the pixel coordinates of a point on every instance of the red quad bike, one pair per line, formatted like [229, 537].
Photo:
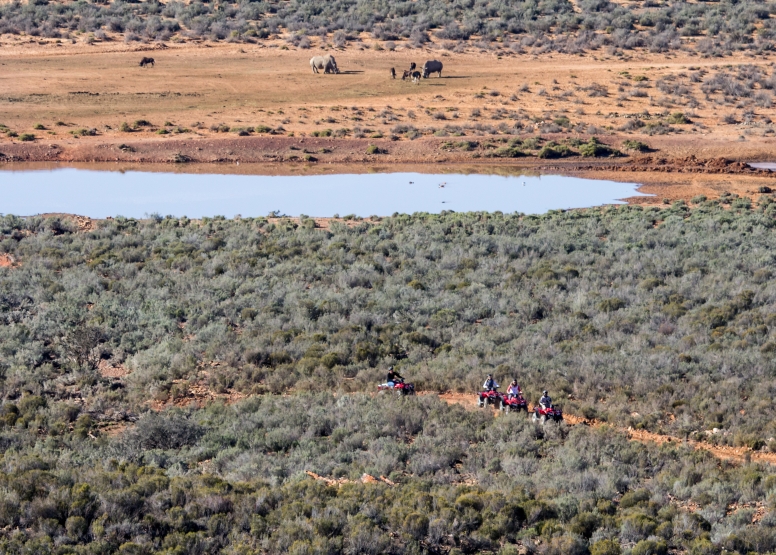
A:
[514, 404]
[404, 388]
[551, 413]
[491, 397]
[399, 387]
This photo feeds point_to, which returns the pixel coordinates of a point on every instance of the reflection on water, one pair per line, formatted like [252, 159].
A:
[134, 193]
[763, 165]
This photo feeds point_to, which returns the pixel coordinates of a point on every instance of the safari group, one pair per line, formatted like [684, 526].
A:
[327, 64]
[490, 396]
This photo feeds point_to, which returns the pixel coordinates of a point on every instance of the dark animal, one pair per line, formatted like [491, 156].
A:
[413, 66]
[393, 73]
[416, 77]
[405, 75]
[432, 66]
[147, 61]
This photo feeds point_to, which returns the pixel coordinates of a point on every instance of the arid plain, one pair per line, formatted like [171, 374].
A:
[261, 104]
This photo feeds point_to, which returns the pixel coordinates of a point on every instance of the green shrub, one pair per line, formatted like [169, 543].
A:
[595, 148]
[27, 137]
[505, 152]
[611, 305]
[374, 149]
[605, 547]
[650, 547]
[555, 151]
[636, 145]
[678, 118]
[82, 132]
[416, 525]
[415, 284]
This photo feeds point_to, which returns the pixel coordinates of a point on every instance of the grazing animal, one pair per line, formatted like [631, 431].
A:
[327, 63]
[412, 66]
[432, 66]
[147, 61]
[405, 75]
[393, 73]
[416, 77]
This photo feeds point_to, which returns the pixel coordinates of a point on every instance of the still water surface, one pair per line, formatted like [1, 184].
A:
[99, 194]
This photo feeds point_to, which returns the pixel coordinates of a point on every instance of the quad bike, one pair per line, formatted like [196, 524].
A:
[399, 387]
[404, 388]
[491, 397]
[513, 403]
[550, 413]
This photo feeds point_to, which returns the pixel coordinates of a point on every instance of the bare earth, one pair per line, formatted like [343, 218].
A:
[173, 111]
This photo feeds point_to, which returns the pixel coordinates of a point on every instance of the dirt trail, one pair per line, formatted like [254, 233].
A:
[738, 454]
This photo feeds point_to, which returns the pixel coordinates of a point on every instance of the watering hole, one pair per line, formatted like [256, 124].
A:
[764, 165]
[102, 193]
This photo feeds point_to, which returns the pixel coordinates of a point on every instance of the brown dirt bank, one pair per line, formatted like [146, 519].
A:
[671, 155]
[668, 173]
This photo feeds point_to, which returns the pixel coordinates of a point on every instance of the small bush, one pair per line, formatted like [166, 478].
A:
[611, 305]
[505, 152]
[374, 149]
[637, 146]
[554, 151]
[84, 132]
[595, 148]
[678, 118]
[650, 547]
[39, 127]
[605, 547]
[265, 129]
[27, 137]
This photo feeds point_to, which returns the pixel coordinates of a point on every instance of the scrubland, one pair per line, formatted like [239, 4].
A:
[166, 383]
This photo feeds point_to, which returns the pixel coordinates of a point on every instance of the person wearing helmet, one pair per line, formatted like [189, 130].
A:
[393, 377]
[490, 384]
[514, 391]
[545, 401]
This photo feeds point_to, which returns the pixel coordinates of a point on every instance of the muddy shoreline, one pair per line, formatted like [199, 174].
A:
[681, 176]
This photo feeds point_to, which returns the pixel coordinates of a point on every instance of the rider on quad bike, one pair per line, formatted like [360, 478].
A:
[546, 410]
[545, 401]
[489, 394]
[395, 382]
[393, 377]
[514, 401]
[514, 390]
[490, 384]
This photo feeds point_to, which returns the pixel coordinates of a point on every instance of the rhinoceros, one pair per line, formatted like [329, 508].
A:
[432, 66]
[327, 63]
